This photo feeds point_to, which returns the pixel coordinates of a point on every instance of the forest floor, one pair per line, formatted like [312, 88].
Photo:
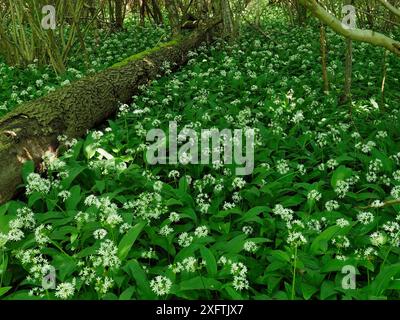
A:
[322, 195]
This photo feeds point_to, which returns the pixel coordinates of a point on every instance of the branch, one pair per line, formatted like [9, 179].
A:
[368, 36]
[390, 7]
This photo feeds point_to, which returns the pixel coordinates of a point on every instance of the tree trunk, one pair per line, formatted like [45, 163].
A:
[119, 14]
[324, 54]
[173, 16]
[31, 129]
[348, 69]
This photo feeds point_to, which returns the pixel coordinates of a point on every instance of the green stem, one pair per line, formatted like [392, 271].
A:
[294, 272]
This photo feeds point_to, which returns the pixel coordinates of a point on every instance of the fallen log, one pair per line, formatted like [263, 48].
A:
[31, 129]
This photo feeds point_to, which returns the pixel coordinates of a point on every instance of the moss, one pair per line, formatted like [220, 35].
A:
[145, 53]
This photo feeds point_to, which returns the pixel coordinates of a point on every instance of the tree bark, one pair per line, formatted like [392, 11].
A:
[119, 14]
[348, 69]
[31, 129]
[324, 54]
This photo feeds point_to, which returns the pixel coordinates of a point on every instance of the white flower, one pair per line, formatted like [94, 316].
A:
[106, 255]
[332, 163]
[161, 285]
[377, 204]
[298, 117]
[342, 187]
[238, 183]
[15, 235]
[158, 186]
[250, 246]
[296, 239]
[174, 217]
[37, 184]
[331, 205]
[201, 231]
[395, 193]
[342, 222]
[247, 230]
[365, 217]
[240, 283]
[282, 166]
[166, 230]
[185, 239]
[285, 214]
[173, 174]
[40, 234]
[64, 195]
[100, 234]
[314, 195]
[377, 238]
[189, 264]
[65, 290]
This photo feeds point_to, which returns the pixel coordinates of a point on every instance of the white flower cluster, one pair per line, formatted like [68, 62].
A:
[239, 272]
[314, 195]
[282, 166]
[296, 239]
[106, 255]
[161, 285]
[285, 214]
[37, 184]
[66, 290]
[108, 211]
[250, 246]
[185, 240]
[189, 264]
[332, 205]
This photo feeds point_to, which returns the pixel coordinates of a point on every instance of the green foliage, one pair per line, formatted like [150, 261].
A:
[115, 227]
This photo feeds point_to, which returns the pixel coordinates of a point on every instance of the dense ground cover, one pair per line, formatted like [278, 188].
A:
[322, 195]
[103, 49]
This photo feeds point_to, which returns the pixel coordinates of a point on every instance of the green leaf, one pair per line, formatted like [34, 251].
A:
[253, 212]
[74, 199]
[134, 269]
[327, 289]
[236, 244]
[199, 283]
[320, 243]
[27, 168]
[308, 290]
[127, 294]
[210, 260]
[129, 239]
[4, 290]
[384, 278]
[341, 173]
[64, 265]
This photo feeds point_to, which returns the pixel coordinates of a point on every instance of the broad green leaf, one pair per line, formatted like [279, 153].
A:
[341, 173]
[211, 263]
[129, 239]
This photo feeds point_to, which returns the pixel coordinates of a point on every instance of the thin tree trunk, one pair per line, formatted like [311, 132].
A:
[346, 97]
[119, 14]
[324, 55]
[384, 73]
[173, 15]
[348, 69]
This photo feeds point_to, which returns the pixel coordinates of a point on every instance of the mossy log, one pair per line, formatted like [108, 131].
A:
[31, 129]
